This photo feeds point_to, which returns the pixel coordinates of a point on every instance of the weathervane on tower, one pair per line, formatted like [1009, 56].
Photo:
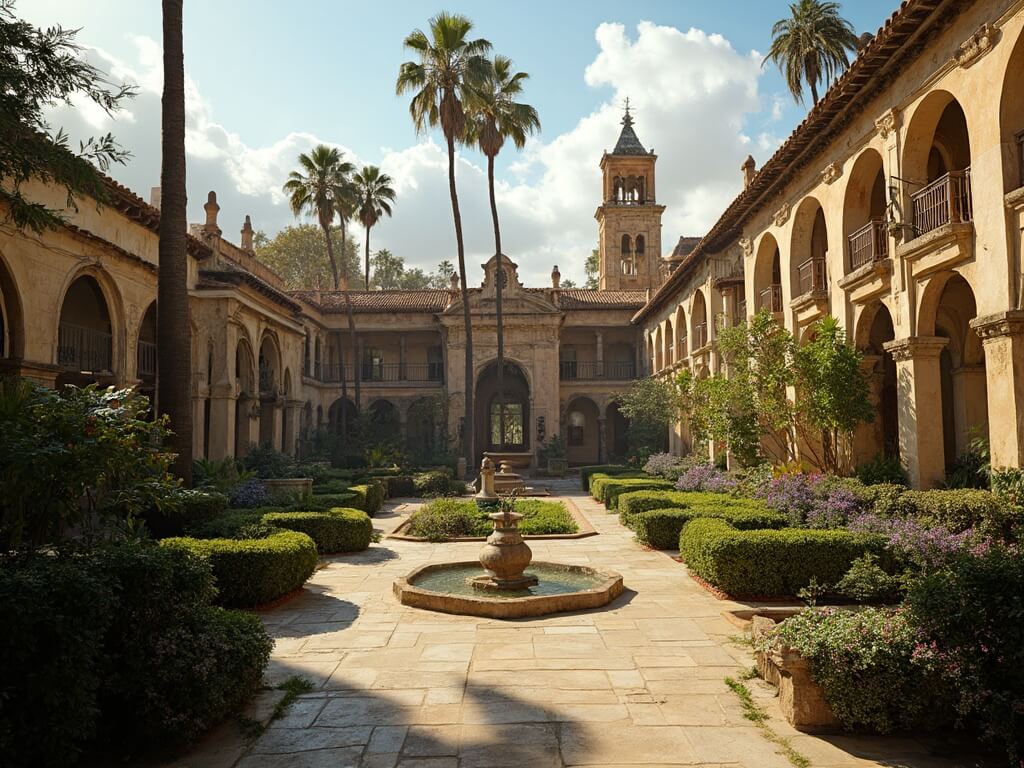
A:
[626, 118]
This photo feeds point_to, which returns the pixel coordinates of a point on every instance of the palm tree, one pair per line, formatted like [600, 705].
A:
[174, 338]
[374, 194]
[345, 206]
[449, 66]
[320, 191]
[811, 45]
[495, 115]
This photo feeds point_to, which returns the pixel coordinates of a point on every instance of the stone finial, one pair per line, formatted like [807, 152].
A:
[749, 169]
[247, 234]
[556, 278]
[212, 209]
[453, 281]
[154, 196]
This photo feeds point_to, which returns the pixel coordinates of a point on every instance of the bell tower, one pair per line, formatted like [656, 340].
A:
[629, 218]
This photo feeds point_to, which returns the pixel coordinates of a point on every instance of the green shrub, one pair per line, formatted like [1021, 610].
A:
[230, 524]
[660, 528]
[251, 572]
[320, 502]
[882, 469]
[437, 482]
[184, 509]
[444, 519]
[960, 509]
[607, 490]
[368, 497]
[866, 664]
[883, 498]
[321, 473]
[606, 469]
[702, 504]
[400, 486]
[266, 462]
[331, 487]
[770, 563]
[337, 530]
[867, 582]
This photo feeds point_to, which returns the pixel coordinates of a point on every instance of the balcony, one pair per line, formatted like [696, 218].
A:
[84, 349]
[410, 374]
[771, 298]
[947, 200]
[683, 350]
[868, 244]
[571, 370]
[147, 359]
[700, 335]
[811, 276]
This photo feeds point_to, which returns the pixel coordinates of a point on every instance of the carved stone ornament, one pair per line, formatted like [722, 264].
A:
[915, 347]
[782, 215]
[832, 172]
[886, 124]
[1010, 323]
[977, 45]
[747, 246]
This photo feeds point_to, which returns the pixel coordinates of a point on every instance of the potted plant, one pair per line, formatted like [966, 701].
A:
[553, 452]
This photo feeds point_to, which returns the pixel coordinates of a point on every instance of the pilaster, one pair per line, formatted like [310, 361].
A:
[1002, 336]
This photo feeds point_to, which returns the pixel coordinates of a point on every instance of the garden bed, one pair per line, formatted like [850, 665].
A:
[562, 516]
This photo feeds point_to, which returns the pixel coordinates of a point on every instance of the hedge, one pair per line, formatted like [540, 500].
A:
[337, 530]
[753, 512]
[607, 489]
[605, 469]
[185, 508]
[960, 509]
[332, 486]
[660, 528]
[770, 563]
[437, 482]
[250, 572]
[368, 497]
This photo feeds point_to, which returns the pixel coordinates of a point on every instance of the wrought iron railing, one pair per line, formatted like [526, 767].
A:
[947, 200]
[868, 244]
[572, 370]
[771, 298]
[682, 347]
[147, 358]
[811, 275]
[700, 335]
[84, 349]
[407, 373]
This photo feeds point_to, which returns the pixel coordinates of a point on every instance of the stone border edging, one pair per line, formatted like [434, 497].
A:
[585, 528]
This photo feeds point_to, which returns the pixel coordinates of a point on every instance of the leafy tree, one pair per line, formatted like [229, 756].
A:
[721, 409]
[442, 276]
[592, 268]
[40, 68]
[494, 116]
[651, 405]
[567, 283]
[811, 46]
[449, 67]
[414, 279]
[298, 254]
[389, 273]
[374, 196]
[173, 328]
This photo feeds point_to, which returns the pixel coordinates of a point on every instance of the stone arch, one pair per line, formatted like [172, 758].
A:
[582, 431]
[865, 211]
[768, 275]
[246, 401]
[89, 327]
[517, 401]
[269, 363]
[659, 359]
[874, 330]
[641, 244]
[627, 256]
[670, 343]
[617, 427]
[681, 333]
[1011, 118]
[385, 421]
[808, 249]
[699, 320]
[423, 429]
[12, 319]
[341, 413]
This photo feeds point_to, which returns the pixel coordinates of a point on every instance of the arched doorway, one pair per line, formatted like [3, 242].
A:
[582, 437]
[1011, 120]
[865, 212]
[246, 401]
[699, 318]
[145, 356]
[489, 435]
[880, 437]
[423, 435]
[385, 424]
[617, 427]
[342, 407]
[269, 379]
[808, 249]
[85, 341]
[767, 277]
[11, 334]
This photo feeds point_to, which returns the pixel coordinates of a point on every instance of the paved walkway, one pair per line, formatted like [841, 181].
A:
[637, 683]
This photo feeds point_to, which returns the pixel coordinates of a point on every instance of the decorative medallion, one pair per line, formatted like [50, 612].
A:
[832, 172]
[977, 45]
[782, 215]
[886, 124]
[747, 246]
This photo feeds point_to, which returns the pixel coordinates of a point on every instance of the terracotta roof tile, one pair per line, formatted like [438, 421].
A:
[592, 298]
[369, 302]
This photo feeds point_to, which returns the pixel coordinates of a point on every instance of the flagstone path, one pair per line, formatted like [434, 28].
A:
[639, 682]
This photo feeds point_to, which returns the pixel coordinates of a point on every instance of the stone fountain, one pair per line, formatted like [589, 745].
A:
[505, 556]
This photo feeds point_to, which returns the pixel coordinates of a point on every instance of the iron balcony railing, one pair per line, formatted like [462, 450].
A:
[408, 373]
[84, 349]
[682, 347]
[811, 275]
[572, 370]
[868, 244]
[947, 200]
[147, 358]
[771, 298]
[700, 335]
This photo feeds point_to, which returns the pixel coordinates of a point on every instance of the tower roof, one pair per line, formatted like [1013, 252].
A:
[628, 143]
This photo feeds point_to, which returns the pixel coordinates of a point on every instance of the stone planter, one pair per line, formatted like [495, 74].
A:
[801, 700]
[285, 487]
[557, 467]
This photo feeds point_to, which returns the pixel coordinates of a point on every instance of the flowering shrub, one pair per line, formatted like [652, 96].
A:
[706, 477]
[926, 546]
[664, 465]
[866, 664]
[810, 501]
[250, 494]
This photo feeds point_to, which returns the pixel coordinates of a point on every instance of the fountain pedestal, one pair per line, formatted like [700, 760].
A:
[505, 555]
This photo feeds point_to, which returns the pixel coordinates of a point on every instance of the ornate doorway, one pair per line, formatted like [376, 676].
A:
[489, 436]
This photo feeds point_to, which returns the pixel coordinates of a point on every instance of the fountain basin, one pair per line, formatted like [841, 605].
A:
[448, 588]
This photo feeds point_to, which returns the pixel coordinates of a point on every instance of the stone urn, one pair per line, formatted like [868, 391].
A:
[505, 555]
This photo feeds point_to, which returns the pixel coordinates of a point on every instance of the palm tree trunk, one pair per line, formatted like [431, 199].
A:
[497, 303]
[174, 337]
[366, 245]
[356, 362]
[341, 356]
[326, 227]
[467, 427]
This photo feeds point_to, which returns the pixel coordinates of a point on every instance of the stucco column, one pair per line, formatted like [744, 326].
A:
[969, 403]
[401, 357]
[1002, 336]
[919, 398]
[291, 434]
[602, 440]
[198, 424]
[599, 338]
[222, 422]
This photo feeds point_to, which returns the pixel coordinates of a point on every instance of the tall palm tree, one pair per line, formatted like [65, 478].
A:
[449, 66]
[319, 191]
[495, 116]
[811, 46]
[174, 338]
[345, 206]
[374, 194]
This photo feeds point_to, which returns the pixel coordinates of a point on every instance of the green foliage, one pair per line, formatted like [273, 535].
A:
[865, 663]
[721, 408]
[445, 519]
[321, 502]
[267, 463]
[1008, 485]
[660, 528]
[743, 512]
[882, 498]
[961, 509]
[592, 270]
[437, 482]
[882, 469]
[298, 254]
[770, 563]
[651, 405]
[390, 273]
[39, 70]
[251, 572]
[337, 530]
[971, 468]
[368, 497]
[867, 582]
[605, 469]
[608, 489]
[222, 475]
[331, 487]
[971, 614]
[231, 524]
[85, 458]
[554, 448]
[190, 507]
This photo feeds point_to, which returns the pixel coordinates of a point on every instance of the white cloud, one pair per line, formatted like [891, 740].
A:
[690, 93]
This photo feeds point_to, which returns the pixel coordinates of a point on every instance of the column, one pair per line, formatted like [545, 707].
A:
[1002, 336]
[970, 406]
[222, 422]
[602, 440]
[919, 398]
[599, 338]
[198, 424]
[291, 434]
[868, 437]
[401, 357]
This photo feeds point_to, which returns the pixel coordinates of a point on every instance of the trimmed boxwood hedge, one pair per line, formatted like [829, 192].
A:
[705, 504]
[337, 530]
[605, 469]
[368, 497]
[250, 572]
[607, 489]
[959, 509]
[660, 528]
[331, 486]
[771, 563]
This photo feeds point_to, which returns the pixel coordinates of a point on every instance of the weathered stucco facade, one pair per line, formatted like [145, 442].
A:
[897, 207]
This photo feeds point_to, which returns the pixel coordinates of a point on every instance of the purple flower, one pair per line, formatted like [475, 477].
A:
[705, 477]
[929, 545]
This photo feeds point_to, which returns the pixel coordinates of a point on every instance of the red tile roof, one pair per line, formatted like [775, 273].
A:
[592, 298]
[370, 302]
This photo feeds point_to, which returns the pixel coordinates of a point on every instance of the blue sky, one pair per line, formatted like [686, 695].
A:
[269, 80]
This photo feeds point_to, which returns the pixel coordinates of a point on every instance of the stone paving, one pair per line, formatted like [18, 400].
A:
[639, 682]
